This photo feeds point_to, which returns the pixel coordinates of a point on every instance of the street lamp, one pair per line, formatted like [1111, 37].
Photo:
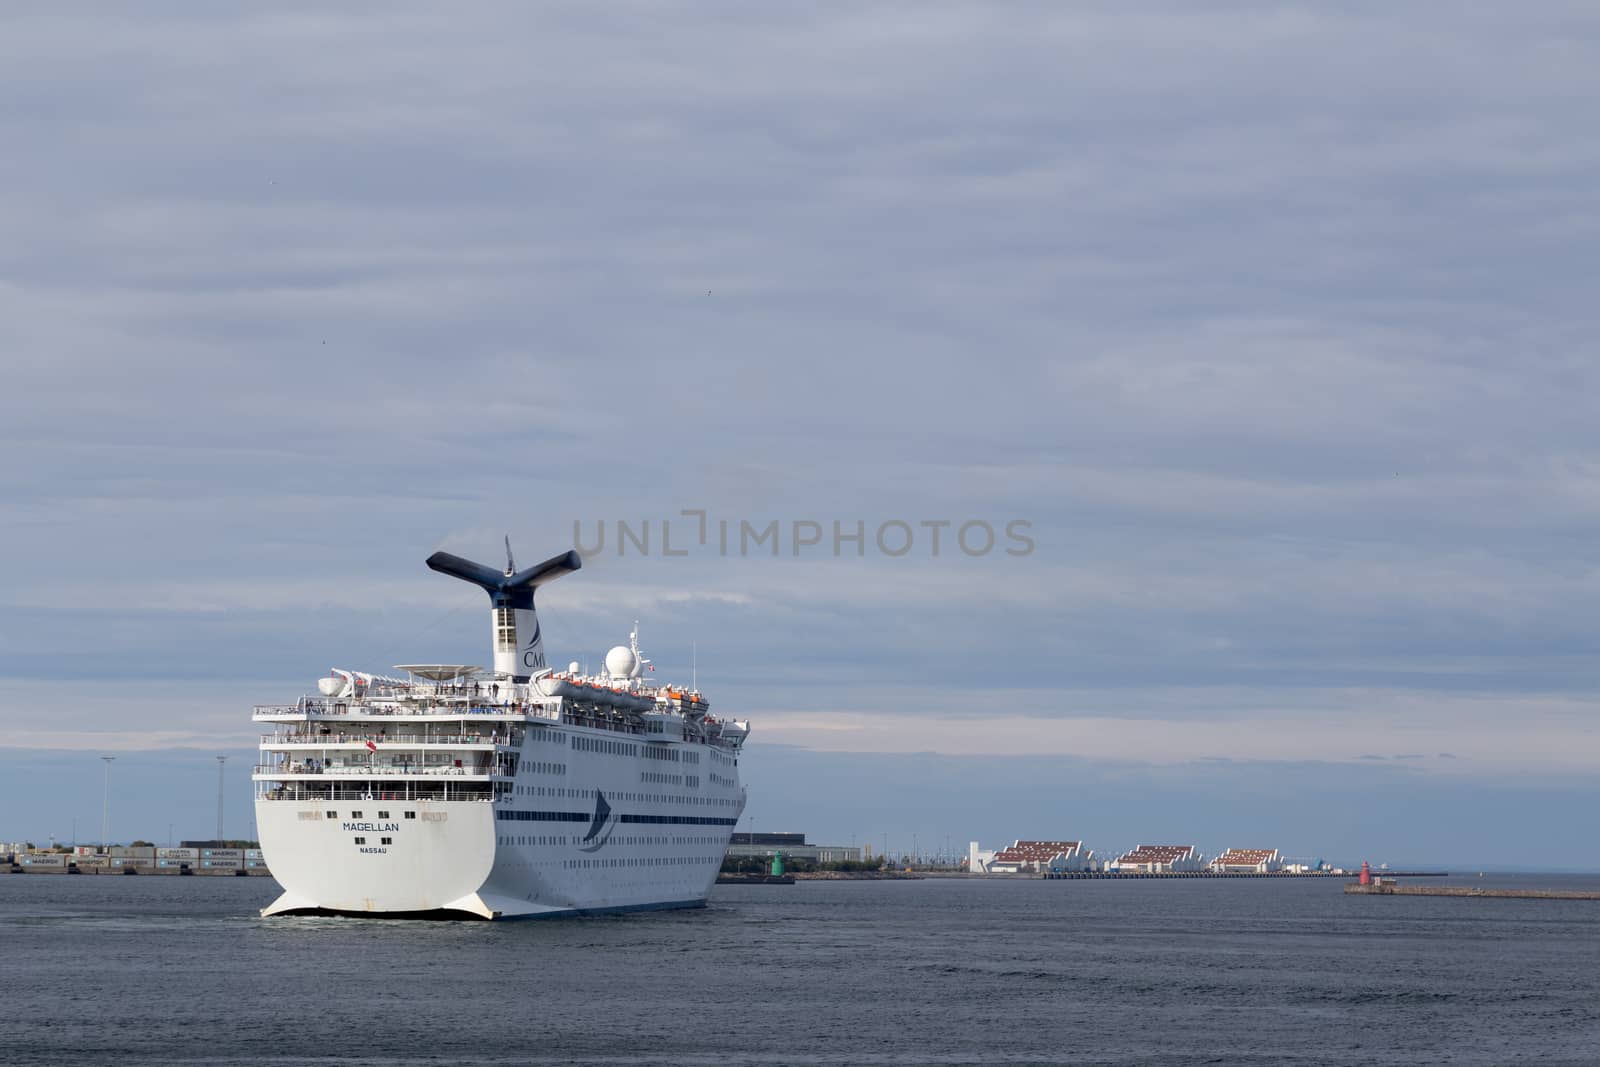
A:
[105, 806]
[220, 761]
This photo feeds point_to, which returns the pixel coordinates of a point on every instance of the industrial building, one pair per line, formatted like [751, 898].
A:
[1160, 859]
[1247, 861]
[1031, 857]
[793, 846]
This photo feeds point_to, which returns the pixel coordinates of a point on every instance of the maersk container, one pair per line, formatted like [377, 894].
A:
[43, 860]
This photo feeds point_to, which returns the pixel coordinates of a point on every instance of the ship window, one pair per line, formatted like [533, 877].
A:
[383, 815]
[355, 815]
[361, 840]
[411, 815]
[386, 840]
[505, 629]
[333, 815]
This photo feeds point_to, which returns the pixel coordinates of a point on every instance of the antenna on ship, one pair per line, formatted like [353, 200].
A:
[694, 667]
[642, 663]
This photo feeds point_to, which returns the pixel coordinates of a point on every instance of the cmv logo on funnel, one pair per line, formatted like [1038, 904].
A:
[533, 655]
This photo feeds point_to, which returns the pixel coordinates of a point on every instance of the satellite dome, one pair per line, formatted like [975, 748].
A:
[574, 667]
[621, 662]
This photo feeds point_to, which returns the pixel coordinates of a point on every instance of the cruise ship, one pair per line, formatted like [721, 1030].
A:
[451, 791]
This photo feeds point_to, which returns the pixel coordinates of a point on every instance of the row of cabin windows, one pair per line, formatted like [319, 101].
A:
[561, 839]
[620, 748]
[643, 861]
[381, 815]
[595, 744]
[621, 797]
[381, 840]
[541, 767]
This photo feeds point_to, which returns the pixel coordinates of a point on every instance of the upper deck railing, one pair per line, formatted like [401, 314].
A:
[363, 710]
[383, 740]
[379, 771]
[465, 707]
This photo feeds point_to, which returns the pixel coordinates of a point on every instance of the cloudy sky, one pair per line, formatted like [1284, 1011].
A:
[1275, 327]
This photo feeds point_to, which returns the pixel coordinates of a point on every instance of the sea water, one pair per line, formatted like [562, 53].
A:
[150, 970]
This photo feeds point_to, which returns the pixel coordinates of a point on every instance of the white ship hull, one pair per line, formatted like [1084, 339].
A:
[585, 827]
[514, 793]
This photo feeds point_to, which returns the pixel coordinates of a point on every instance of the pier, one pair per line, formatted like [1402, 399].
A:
[1113, 876]
[142, 872]
[1385, 889]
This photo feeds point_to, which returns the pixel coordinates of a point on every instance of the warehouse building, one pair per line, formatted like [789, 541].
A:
[1247, 861]
[1035, 857]
[1160, 859]
[793, 846]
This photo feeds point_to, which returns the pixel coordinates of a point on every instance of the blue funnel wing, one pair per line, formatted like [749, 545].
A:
[515, 590]
[476, 573]
[535, 576]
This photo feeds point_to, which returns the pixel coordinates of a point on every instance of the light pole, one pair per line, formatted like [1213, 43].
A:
[105, 806]
[220, 761]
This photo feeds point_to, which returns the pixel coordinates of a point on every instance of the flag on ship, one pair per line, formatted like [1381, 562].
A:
[372, 746]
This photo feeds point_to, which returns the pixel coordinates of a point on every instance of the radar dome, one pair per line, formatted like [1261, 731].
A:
[621, 662]
[574, 667]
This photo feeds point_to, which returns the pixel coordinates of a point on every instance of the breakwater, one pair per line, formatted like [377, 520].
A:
[1386, 890]
[1213, 875]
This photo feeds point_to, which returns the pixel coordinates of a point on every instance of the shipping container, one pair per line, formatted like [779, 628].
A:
[177, 853]
[222, 853]
[42, 860]
[222, 865]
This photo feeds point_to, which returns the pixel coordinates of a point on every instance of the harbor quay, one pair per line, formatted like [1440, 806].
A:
[1071, 860]
[1385, 887]
[1126, 876]
[197, 859]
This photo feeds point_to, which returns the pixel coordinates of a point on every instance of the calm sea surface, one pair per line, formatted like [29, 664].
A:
[168, 970]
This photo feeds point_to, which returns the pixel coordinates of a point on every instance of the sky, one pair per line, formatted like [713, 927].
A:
[1259, 335]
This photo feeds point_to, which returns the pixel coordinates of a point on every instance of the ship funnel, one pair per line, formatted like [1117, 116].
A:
[518, 645]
